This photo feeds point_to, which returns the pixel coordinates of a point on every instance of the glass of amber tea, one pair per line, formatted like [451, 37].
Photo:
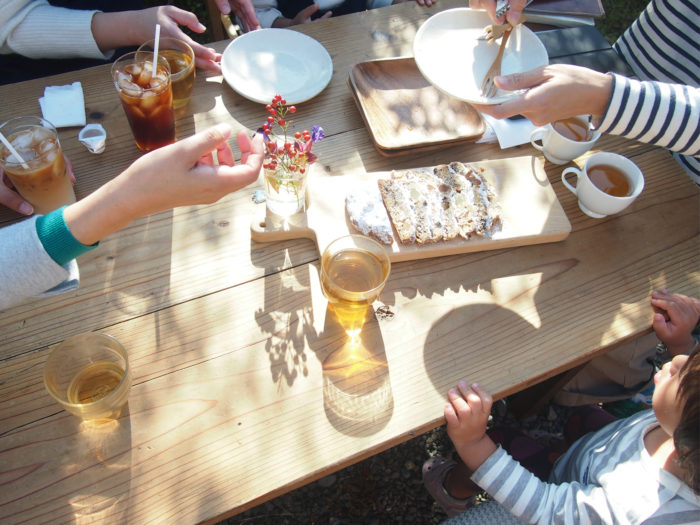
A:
[180, 57]
[40, 174]
[89, 375]
[354, 270]
[147, 98]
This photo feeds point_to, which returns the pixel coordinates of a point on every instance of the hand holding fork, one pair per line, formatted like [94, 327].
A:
[488, 86]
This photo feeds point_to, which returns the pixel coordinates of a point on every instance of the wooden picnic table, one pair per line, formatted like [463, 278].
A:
[234, 400]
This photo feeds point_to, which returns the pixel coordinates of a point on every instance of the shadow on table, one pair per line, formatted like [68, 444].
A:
[356, 387]
[107, 448]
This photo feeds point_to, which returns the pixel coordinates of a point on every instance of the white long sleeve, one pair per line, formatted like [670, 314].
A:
[35, 29]
[26, 270]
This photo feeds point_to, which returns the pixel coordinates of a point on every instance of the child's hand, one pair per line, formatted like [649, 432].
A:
[681, 316]
[467, 414]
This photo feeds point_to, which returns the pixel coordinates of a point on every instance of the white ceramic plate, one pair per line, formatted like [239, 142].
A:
[452, 58]
[263, 63]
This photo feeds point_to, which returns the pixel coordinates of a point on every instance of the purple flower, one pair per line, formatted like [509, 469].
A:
[317, 133]
[261, 132]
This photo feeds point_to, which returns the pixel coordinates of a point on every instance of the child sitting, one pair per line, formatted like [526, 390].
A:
[645, 467]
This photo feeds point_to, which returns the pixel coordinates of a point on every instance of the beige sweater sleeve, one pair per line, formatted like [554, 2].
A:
[35, 29]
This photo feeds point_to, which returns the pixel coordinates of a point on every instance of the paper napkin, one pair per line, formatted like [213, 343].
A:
[64, 106]
[510, 132]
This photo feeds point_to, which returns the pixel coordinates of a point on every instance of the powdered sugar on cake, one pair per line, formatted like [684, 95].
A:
[427, 205]
[367, 213]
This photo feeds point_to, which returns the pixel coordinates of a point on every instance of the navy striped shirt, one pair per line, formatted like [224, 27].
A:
[662, 106]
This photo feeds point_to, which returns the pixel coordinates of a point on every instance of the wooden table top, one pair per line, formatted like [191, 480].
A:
[235, 399]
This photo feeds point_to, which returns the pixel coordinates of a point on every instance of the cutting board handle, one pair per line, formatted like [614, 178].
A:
[269, 228]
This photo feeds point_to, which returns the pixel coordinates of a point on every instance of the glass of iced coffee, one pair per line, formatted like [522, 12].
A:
[147, 98]
[180, 57]
[39, 174]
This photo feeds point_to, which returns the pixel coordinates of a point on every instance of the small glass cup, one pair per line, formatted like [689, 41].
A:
[180, 57]
[89, 375]
[354, 270]
[285, 192]
[41, 176]
[147, 98]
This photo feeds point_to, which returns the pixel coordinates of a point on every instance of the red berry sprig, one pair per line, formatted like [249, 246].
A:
[291, 154]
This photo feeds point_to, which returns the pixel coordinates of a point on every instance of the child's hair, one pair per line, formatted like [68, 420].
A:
[686, 437]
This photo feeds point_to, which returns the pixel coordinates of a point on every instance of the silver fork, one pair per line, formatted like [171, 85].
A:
[488, 86]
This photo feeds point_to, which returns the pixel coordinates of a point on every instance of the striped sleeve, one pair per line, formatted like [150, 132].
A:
[534, 501]
[657, 113]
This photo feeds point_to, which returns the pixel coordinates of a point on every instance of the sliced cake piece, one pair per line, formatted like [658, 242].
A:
[400, 209]
[367, 213]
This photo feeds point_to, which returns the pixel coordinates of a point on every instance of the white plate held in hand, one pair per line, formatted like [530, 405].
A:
[263, 63]
[450, 55]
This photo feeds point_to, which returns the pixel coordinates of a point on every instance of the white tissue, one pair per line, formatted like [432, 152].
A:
[510, 132]
[64, 106]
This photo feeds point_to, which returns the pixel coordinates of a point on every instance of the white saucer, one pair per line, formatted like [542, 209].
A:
[263, 63]
[452, 58]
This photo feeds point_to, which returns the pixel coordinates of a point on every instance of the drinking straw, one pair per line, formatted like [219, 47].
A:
[13, 151]
[155, 49]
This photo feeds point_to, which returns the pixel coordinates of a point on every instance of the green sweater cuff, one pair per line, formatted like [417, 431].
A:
[57, 239]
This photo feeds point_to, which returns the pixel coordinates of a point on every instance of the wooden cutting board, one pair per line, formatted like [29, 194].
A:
[531, 212]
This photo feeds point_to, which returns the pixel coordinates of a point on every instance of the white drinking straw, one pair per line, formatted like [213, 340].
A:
[13, 151]
[155, 49]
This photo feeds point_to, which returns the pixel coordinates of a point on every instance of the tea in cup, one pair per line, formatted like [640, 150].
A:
[89, 375]
[180, 57]
[147, 98]
[607, 184]
[354, 270]
[564, 140]
[39, 174]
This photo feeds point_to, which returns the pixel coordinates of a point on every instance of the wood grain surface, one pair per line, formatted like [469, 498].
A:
[237, 395]
[403, 110]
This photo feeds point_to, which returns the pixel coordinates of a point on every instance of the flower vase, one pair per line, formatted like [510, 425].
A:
[285, 192]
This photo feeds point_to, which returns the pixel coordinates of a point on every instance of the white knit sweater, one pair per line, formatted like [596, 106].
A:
[26, 270]
[35, 29]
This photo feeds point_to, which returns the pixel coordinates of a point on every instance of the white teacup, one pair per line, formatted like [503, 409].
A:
[560, 149]
[596, 202]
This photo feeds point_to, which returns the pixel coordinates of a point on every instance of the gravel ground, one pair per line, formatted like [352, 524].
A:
[386, 488]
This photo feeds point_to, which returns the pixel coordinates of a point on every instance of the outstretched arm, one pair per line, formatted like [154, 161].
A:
[38, 253]
[176, 175]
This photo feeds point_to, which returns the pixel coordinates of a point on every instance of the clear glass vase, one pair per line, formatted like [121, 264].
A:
[285, 192]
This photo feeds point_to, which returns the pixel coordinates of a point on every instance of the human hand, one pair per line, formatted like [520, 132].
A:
[170, 19]
[244, 11]
[133, 28]
[13, 200]
[467, 414]
[512, 16]
[554, 92]
[675, 328]
[181, 174]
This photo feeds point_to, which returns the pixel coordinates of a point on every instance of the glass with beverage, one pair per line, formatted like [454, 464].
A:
[40, 175]
[89, 375]
[354, 270]
[147, 98]
[180, 57]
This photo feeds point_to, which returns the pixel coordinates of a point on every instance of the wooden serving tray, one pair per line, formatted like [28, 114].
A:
[404, 112]
[531, 213]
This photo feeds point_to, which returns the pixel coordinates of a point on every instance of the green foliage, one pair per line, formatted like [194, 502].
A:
[619, 14]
